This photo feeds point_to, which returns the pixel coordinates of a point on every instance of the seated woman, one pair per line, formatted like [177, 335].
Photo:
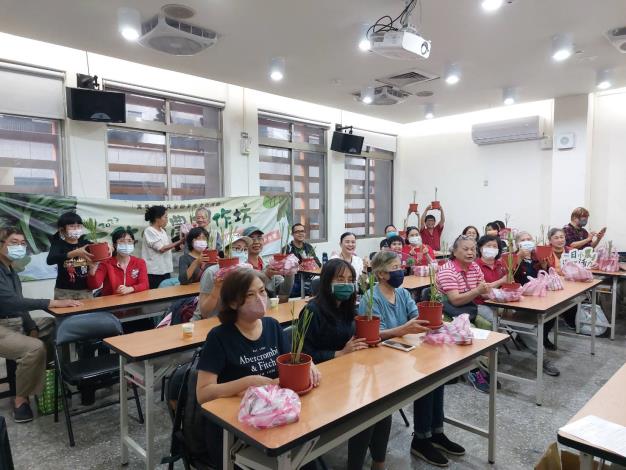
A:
[330, 335]
[493, 270]
[399, 316]
[493, 229]
[230, 356]
[390, 231]
[416, 249]
[556, 239]
[192, 264]
[396, 244]
[471, 232]
[347, 242]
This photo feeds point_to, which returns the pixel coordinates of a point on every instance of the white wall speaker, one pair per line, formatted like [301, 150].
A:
[566, 141]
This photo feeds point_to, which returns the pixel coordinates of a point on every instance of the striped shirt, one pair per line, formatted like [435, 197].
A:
[451, 276]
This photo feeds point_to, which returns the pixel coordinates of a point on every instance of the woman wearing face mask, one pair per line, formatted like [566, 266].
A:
[416, 249]
[67, 251]
[191, 265]
[347, 242]
[398, 317]
[494, 272]
[576, 236]
[390, 231]
[230, 356]
[527, 263]
[330, 335]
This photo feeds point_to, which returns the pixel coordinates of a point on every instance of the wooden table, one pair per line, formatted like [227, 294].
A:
[539, 310]
[615, 278]
[120, 302]
[415, 282]
[608, 404]
[307, 272]
[356, 391]
[138, 352]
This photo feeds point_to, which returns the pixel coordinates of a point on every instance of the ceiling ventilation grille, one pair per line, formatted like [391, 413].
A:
[386, 96]
[403, 80]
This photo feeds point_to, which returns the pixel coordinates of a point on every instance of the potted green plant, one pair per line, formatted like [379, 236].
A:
[444, 249]
[413, 205]
[228, 259]
[543, 250]
[284, 243]
[432, 310]
[435, 204]
[510, 262]
[294, 368]
[211, 250]
[410, 262]
[99, 250]
[368, 325]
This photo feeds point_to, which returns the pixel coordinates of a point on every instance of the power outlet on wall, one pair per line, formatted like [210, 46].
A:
[485, 183]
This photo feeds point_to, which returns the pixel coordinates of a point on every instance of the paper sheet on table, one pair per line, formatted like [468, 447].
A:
[599, 432]
[477, 333]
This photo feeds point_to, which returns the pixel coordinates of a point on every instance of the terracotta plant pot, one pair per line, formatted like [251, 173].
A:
[213, 255]
[294, 376]
[280, 257]
[505, 260]
[227, 262]
[511, 286]
[100, 251]
[435, 205]
[543, 251]
[432, 312]
[368, 329]
[308, 264]
[413, 207]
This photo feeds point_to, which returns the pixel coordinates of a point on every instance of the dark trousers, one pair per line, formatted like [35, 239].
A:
[428, 414]
[155, 279]
[374, 437]
[547, 327]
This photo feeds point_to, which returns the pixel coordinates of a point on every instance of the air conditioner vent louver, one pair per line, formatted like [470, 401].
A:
[386, 96]
[406, 79]
[512, 130]
[175, 37]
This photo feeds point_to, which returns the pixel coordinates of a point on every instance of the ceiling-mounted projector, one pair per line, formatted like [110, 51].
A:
[404, 44]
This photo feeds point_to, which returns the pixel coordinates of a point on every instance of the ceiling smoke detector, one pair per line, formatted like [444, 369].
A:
[617, 37]
[175, 37]
[385, 96]
[177, 11]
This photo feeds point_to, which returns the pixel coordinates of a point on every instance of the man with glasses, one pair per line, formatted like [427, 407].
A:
[19, 333]
[302, 250]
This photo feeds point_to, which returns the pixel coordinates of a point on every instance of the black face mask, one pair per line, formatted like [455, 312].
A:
[396, 278]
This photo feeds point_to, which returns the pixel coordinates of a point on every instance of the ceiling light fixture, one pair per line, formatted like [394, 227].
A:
[508, 96]
[429, 111]
[364, 42]
[453, 74]
[562, 47]
[367, 95]
[277, 69]
[603, 80]
[491, 5]
[129, 23]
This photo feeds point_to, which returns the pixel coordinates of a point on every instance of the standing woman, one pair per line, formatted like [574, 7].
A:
[416, 249]
[67, 251]
[331, 335]
[347, 242]
[156, 247]
[192, 263]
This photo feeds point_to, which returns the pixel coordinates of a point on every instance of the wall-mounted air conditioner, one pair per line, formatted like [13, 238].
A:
[512, 130]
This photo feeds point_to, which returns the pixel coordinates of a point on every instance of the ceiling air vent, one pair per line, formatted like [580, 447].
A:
[175, 37]
[406, 79]
[617, 37]
[386, 96]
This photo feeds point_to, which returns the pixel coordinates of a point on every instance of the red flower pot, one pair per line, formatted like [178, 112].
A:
[543, 251]
[227, 262]
[296, 377]
[308, 264]
[432, 312]
[435, 205]
[100, 251]
[368, 329]
[505, 260]
[280, 257]
[511, 286]
[213, 255]
[413, 207]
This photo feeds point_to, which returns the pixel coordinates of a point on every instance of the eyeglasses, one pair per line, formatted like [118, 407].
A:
[15, 243]
[256, 239]
[298, 231]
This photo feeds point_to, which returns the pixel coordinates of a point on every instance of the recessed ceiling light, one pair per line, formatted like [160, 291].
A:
[429, 111]
[453, 74]
[367, 95]
[562, 47]
[508, 96]
[364, 42]
[491, 5]
[277, 69]
[129, 23]
[603, 80]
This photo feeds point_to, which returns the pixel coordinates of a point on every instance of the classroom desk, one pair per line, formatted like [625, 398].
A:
[356, 391]
[111, 303]
[608, 404]
[539, 310]
[615, 278]
[415, 282]
[307, 272]
[138, 352]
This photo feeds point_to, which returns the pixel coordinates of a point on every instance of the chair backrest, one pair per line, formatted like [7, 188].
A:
[87, 326]
[6, 460]
[288, 333]
[173, 281]
[315, 286]
[425, 295]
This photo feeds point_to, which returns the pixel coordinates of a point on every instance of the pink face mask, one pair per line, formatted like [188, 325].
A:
[254, 307]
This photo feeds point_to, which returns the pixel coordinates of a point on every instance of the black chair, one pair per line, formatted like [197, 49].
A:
[90, 372]
[315, 285]
[6, 459]
[9, 379]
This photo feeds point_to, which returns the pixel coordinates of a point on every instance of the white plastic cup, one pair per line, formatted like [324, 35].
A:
[274, 302]
[187, 329]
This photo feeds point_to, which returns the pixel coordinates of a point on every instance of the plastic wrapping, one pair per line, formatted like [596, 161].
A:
[575, 272]
[287, 266]
[456, 332]
[222, 272]
[269, 406]
[554, 280]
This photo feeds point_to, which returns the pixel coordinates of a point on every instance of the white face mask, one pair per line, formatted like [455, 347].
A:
[416, 240]
[200, 245]
[125, 248]
[527, 245]
[489, 252]
[16, 252]
[76, 234]
[242, 255]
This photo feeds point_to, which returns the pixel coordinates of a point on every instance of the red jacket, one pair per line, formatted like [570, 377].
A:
[418, 256]
[110, 276]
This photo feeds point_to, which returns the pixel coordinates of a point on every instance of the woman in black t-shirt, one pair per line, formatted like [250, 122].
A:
[242, 351]
[72, 259]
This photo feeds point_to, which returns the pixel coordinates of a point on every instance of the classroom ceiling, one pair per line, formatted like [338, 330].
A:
[318, 39]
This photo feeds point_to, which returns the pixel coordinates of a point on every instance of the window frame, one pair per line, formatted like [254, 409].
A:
[169, 129]
[291, 147]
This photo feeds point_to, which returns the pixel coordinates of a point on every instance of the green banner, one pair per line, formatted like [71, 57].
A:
[36, 215]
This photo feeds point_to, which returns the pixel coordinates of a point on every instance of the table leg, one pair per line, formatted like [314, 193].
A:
[586, 461]
[493, 387]
[302, 290]
[149, 412]
[613, 306]
[556, 332]
[227, 444]
[539, 383]
[123, 412]
[593, 321]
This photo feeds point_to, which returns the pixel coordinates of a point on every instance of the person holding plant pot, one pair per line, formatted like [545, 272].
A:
[156, 248]
[68, 252]
[192, 263]
[398, 317]
[331, 335]
[575, 234]
[416, 249]
[301, 250]
[494, 272]
[347, 242]
[241, 352]
[431, 229]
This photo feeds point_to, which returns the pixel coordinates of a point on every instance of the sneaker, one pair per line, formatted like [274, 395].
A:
[549, 345]
[424, 449]
[441, 441]
[23, 413]
[488, 379]
[478, 380]
[550, 369]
